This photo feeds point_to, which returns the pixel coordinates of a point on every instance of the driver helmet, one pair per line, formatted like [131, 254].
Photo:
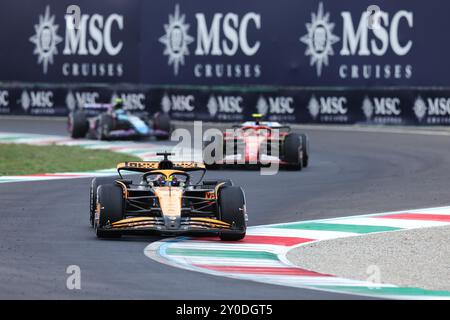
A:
[175, 182]
[162, 181]
[118, 104]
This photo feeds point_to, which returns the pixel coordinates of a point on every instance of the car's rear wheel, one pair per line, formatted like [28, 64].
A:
[110, 202]
[293, 152]
[105, 125]
[232, 210]
[95, 183]
[161, 121]
[305, 146]
[77, 124]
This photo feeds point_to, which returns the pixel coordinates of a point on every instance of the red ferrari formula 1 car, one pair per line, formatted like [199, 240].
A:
[257, 143]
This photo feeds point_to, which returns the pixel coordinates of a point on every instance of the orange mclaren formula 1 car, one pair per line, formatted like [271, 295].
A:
[164, 199]
[257, 143]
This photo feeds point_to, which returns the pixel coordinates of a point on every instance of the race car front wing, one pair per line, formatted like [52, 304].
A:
[166, 225]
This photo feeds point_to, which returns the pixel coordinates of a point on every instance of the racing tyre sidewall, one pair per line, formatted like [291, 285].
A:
[111, 205]
[293, 152]
[95, 183]
[161, 121]
[77, 124]
[305, 146]
[231, 202]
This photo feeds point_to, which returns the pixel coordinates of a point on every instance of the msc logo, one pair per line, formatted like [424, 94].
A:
[177, 102]
[234, 33]
[132, 101]
[92, 37]
[420, 108]
[176, 39]
[434, 108]
[46, 39]
[359, 40]
[319, 39]
[327, 106]
[438, 106]
[275, 105]
[224, 104]
[381, 106]
[223, 34]
[4, 98]
[36, 99]
[80, 98]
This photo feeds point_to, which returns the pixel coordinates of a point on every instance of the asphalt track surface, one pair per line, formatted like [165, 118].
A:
[44, 225]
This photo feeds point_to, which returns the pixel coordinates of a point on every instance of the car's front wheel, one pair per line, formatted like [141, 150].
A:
[95, 183]
[110, 205]
[232, 210]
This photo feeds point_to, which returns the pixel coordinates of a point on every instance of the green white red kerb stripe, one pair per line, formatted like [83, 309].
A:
[261, 256]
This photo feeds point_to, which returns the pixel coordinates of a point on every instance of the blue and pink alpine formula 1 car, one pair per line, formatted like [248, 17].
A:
[114, 121]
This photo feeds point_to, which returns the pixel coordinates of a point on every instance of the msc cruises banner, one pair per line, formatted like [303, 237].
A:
[306, 61]
[202, 42]
[40, 43]
[368, 106]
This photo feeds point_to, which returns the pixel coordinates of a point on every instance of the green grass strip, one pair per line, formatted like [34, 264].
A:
[336, 227]
[222, 253]
[25, 159]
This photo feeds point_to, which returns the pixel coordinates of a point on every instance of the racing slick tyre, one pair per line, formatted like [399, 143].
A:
[305, 146]
[78, 124]
[293, 152]
[161, 121]
[110, 200]
[95, 183]
[105, 125]
[209, 156]
[232, 210]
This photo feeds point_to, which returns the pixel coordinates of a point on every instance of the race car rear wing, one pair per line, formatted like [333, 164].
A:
[285, 127]
[93, 109]
[97, 106]
[146, 166]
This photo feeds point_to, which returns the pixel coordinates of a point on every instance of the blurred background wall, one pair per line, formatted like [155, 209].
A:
[296, 61]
